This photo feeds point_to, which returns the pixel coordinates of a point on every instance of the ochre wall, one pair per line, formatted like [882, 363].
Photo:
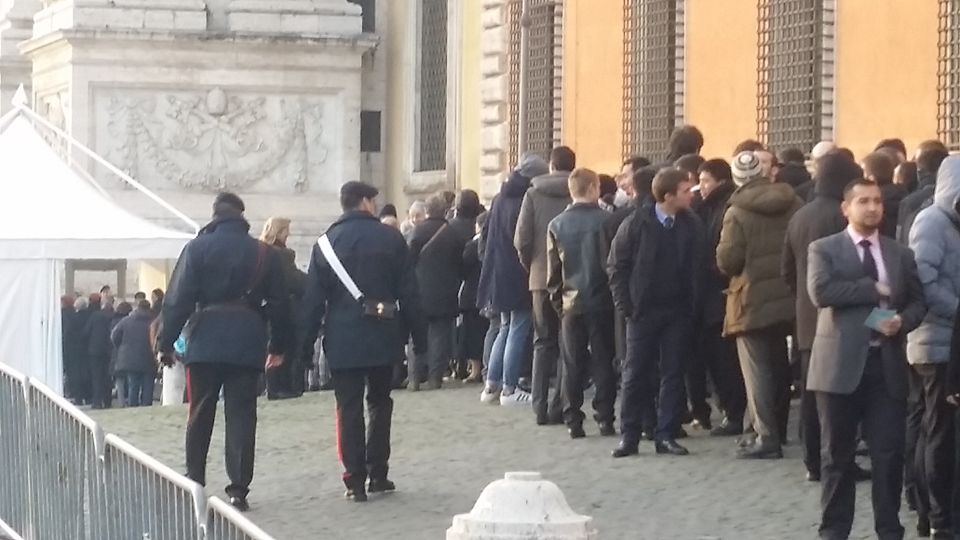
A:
[886, 73]
[721, 72]
[470, 76]
[593, 82]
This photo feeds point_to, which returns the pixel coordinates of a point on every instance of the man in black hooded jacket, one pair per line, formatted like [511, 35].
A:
[819, 218]
[232, 289]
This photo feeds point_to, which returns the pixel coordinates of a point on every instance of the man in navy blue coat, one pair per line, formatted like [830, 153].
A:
[231, 287]
[363, 338]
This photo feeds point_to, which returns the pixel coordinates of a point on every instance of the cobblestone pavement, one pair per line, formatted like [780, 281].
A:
[447, 446]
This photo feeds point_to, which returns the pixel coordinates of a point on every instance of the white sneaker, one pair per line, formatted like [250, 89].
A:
[518, 398]
[489, 396]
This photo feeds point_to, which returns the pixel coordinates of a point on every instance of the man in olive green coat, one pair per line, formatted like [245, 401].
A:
[760, 307]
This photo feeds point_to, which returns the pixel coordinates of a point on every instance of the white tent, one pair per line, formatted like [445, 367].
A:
[50, 212]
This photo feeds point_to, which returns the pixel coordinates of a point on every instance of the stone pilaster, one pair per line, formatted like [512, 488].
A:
[494, 97]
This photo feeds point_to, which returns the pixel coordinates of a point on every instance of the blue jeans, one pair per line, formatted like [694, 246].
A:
[139, 389]
[508, 349]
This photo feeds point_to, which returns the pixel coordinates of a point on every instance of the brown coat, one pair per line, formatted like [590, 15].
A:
[750, 249]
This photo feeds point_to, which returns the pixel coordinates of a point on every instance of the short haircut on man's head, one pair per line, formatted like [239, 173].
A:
[608, 185]
[667, 181]
[718, 168]
[437, 206]
[932, 154]
[562, 158]
[140, 295]
[581, 181]
[848, 190]
[143, 305]
[689, 163]
[749, 145]
[353, 193]
[792, 155]
[636, 162]
[880, 166]
[227, 204]
[685, 140]
[894, 144]
[643, 181]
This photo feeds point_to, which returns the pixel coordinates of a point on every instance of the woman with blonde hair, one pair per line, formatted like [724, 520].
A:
[286, 381]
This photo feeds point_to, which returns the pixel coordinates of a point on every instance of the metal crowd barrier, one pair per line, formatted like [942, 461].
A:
[225, 523]
[15, 486]
[62, 479]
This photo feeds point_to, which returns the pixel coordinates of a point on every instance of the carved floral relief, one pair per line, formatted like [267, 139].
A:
[215, 140]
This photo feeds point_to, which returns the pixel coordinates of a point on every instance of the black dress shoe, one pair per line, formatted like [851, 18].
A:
[648, 435]
[356, 494]
[760, 452]
[281, 396]
[860, 474]
[547, 420]
[625, 449]
[668, 446]
[381, 485]
[607, 429]
[240, 503]
[813, 476]
[680, 434]
[726, 428]
[923, 527]
[576, 432]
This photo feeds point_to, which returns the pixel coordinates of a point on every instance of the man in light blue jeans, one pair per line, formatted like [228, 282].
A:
[503, 374]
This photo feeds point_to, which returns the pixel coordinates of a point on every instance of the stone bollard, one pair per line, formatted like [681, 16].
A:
[522, 506]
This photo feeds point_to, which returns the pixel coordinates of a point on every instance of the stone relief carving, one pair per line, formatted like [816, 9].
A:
[214, 141]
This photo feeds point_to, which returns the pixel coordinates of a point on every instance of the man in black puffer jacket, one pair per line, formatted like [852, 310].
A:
[819, 218]
[238, 284]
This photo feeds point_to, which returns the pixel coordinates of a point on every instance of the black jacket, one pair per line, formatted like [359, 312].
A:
[503, 281]
[711, 212]
[577, 250]
[212, 278]
[97, 332]
[377, 259]
[633, 253]
[893, 195]
[471, 275]
[913, 203]
[131, 337]
[436, 249]
[817, 219]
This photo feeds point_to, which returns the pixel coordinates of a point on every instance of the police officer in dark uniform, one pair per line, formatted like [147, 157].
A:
[362, 288]
[231, 289]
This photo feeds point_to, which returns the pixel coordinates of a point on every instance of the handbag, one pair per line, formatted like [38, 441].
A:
[384, 310]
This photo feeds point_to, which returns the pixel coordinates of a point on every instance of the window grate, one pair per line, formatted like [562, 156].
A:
[544, 78]
[652, 80]
[433, 86]
[948, 75]
[790, 73]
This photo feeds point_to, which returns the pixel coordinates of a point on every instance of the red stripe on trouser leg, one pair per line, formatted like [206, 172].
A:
[339, 433]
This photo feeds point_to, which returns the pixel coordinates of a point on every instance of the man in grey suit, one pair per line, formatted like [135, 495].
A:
[859, 374]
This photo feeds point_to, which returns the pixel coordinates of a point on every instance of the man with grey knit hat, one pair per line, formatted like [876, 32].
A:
[760, 308]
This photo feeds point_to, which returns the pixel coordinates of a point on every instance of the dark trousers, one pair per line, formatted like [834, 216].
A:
[766, 374]
[435, 361]
[364, 449]
[657, 341]
[546, 357]
[933, 456]
[883, 418]
[717, 356]
[101, 382]
[239, 385]
[809, 419]
[587, 349]
[139, 388]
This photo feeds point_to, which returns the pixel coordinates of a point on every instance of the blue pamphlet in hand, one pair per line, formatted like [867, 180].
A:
[878, 316]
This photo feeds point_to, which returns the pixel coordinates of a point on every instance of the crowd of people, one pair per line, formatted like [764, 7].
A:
[750, 281]
[686, 286]
[108, 355]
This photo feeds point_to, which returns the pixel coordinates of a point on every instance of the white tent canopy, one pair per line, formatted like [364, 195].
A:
[49, 213]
